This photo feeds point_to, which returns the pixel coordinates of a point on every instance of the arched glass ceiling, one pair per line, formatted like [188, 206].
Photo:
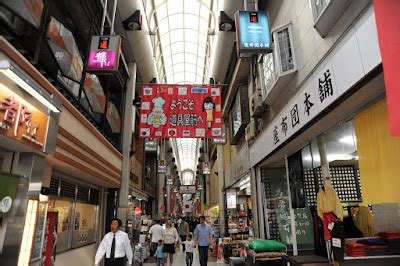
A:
[187, 178]
[183, 27]
[187, 151]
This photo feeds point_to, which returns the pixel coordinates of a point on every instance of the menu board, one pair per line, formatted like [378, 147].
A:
[296, 180]
[39, 233]
[280, 208]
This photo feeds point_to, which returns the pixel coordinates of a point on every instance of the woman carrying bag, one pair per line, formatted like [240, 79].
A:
[171, 240]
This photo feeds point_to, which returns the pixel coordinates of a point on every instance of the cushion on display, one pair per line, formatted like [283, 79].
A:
[264, 245]
[372, 242]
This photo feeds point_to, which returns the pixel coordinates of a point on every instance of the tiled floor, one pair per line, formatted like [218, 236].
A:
[179, 259]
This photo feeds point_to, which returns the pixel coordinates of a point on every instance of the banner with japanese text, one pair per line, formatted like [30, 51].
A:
[180, 111]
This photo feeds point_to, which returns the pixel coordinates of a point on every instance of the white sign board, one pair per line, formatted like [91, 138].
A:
[187, 189]
[354, 58]
[187, 206]
[231, 200]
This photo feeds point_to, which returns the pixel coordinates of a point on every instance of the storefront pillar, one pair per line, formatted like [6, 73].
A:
[253, 184]
[161, 181]
[260, 205]
[126, 144]
[221, 186]
[291, 211]
[168, 189]
[324, 160]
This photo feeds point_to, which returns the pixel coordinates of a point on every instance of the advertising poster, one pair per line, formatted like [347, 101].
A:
[180, 111]
[231, 200]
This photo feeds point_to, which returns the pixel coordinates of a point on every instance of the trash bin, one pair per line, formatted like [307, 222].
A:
[308, 261]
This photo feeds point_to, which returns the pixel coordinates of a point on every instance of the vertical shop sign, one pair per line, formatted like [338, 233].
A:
[181, 111]
[206, 168]
[296, 177]
[104, 54]
[162, 167]
[388, 24]
[231, 200]
[50, 240]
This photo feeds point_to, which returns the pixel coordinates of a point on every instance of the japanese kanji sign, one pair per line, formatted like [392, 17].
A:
[104, 54]
[329, 82]
[180, 111]
[21, 120]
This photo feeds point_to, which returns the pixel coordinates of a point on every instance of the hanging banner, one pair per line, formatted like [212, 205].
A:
[180, 111]
[162, 167]
[187, 206]
[387, 24]
[50, 240]
[206, 168]
[187, 189]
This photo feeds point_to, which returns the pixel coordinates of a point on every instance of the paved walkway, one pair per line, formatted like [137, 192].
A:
[179, 259]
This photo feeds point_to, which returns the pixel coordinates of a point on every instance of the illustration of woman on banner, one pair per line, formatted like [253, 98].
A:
[208, 107]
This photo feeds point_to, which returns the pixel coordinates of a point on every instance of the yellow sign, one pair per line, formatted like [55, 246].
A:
[21, 120]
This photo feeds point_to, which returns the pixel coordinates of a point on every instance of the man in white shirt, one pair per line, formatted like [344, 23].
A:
[156, 233]
[115, 245]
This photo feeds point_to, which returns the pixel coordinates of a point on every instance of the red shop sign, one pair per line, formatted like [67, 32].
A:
[180, 111]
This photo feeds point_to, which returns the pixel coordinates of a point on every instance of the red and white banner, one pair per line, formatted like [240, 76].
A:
[180, 111]
[50, 240]
[388, 26]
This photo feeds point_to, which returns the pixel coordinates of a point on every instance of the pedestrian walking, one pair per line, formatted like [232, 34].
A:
[156, 233]
[171, 239]
[203, 235]
[189, 246]
[159, 254]
[183, 231]
[115, 246]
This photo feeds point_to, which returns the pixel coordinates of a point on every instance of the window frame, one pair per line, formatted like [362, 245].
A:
[277, 61]
[317, 16]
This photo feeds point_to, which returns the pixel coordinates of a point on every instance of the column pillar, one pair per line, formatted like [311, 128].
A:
[221, 186]
[168, 188]
[161, 182]
[326, 174]
[126, 145]
[253, 185]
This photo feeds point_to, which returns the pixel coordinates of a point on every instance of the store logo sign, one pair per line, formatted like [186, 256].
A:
[104, 54]
[20, 120]
[5, 204]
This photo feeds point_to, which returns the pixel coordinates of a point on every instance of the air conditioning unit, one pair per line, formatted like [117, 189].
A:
[251, 130]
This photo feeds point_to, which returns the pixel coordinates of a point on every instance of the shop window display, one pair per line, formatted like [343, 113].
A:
[84, 225]
[64, 210]
[76, 223]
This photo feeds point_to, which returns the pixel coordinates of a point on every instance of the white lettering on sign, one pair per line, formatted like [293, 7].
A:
[5, 204]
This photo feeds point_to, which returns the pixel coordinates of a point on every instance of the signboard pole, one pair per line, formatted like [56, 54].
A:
[126, 145]
[221, 183]
[291, 210]
[103, 18]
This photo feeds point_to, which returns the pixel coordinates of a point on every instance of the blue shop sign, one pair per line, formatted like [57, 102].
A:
[252, 32]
